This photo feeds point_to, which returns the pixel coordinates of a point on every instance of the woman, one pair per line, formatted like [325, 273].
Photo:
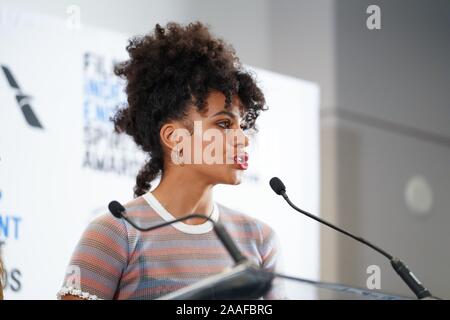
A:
[184, 87]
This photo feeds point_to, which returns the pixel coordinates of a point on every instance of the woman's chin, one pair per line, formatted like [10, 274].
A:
[235, 179]
[231, 176]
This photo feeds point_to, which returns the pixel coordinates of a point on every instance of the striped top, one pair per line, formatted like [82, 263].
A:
[113, 260]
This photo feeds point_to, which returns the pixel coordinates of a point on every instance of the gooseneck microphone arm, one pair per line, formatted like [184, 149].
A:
[357, 238]
[402, 270]
[119, 211]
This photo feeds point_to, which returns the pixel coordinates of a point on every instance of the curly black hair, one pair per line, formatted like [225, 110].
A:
[169, 70]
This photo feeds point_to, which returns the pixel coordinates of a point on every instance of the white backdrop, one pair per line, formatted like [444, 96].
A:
[60, 171]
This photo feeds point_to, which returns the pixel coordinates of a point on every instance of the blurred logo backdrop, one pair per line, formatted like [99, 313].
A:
[61, 163]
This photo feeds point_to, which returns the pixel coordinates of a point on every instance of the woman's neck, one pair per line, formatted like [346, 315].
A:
[181, 195]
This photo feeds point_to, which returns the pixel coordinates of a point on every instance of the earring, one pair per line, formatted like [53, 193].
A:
[181, 158]
[179, 155]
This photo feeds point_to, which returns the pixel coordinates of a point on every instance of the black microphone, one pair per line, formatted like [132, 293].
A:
[402, 270]
[118, 211]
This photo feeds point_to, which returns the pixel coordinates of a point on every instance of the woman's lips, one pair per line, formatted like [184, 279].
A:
[241, 160]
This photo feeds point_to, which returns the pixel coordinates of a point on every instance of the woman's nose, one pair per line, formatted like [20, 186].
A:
[243, 138]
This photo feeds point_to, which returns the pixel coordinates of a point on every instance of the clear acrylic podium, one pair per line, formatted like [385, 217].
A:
[303, 289]
[245, 281]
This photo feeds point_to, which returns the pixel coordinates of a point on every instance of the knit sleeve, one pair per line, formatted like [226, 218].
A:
[98, 261]
[270, 255]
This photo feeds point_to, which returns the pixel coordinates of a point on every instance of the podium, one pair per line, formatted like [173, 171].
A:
[246, 281]
[304, 289]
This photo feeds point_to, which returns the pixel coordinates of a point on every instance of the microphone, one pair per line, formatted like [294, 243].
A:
[402, 270]
[119, 211]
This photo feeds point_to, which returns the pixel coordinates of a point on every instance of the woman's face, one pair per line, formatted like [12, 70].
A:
[215, 147]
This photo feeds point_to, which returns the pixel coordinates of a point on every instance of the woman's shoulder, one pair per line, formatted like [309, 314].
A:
[106, 225]
[108, 222]
[247, 221]
[134, 208]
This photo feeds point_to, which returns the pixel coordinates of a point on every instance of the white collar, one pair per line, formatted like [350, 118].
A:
[183, 227]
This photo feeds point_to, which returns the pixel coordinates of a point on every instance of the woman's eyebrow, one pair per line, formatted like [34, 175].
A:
[227, 113]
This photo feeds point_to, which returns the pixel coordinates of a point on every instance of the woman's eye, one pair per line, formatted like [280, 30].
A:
[224, 124]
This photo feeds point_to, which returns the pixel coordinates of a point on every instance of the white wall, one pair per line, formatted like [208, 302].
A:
[385, 121]
[392, 123]
[129, 17]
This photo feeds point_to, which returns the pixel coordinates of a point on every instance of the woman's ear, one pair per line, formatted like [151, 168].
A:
[174, 139]
[168, 135]
[172, 134]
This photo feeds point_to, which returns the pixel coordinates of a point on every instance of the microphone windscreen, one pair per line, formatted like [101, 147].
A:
[116, 209]
[277, 185]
